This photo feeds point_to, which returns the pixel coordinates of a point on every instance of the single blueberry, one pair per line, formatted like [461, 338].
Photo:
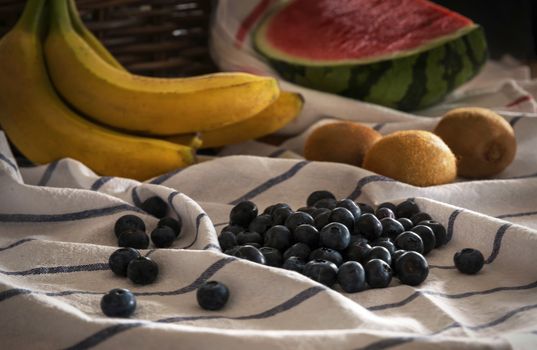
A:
[270, 209]
[369, 226]
[235, 229]
[427, 236]
[163, 237]
[307, 210]
[227, 240]
[273, 257]
[133, 238]
[128, 222]
[388, 205]
[118, 302]
[319, 211]
[409, 240]
[279, 215]
[386, 243]
[358, 252]
[307, 234]
[251, 253]
[335, 235]
[212, 295]
[249, 238]
[260, 224]
[469, 261]
[142, 270]
[396, 255]
[174, 224]
[391, 228]
[419, 217]
[324, 253]
[439, 231]
[366, 208]
[322, 219]
[298, 218]
[300, 250]
[120, 259]
[351, 277]
[358, 239]
[378, 274]
[407, 209]
[378, 252]
[322, 271]
[384, 212]
[407, 223]
[329, 203]
[155, 206]
[412, 268]
[243, 213]
[294, 263]
[316, 196]
[278, 237]
[350, 206]
[343, 216]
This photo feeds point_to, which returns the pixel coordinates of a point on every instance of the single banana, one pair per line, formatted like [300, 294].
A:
[155, 106]
[274, 117]
[44, 129]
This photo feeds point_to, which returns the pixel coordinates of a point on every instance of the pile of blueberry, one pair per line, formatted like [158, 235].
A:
[337, 241]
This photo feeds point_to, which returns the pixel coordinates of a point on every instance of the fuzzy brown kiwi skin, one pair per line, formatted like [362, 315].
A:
[483, 142]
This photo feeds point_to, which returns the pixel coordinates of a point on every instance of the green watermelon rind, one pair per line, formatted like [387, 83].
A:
[405, 81]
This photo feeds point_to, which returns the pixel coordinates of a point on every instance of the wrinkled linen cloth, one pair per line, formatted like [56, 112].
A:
[56, 234]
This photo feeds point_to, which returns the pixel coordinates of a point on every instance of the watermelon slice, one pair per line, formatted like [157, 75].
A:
[404, 54]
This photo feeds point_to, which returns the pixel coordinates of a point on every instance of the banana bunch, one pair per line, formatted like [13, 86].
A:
[125, 125]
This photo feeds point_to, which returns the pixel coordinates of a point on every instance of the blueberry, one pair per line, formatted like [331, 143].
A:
[407, 209]
[322, 271]
[270, 209]
[278, 237]
[319, 211]
[142, 270]
[298, 218]
[329, 203]
[118, 302]
[396, 255]
[243, 213]
[251, 253]
[382, 213]
[174, 224]
[163, 237]
[412, 268]
[235, 229]
[133, 238]
[358, 252]
[419, 217]
[307, 234]
[406, 222]
[381, 253]
[350, 206]
[120, 259]
[128, 222]
[391, 228]
[378, 274]
[388, 205]
[294, 263]
[227, 240]
[409, 240]
[279, 215]
[358, 239]
[260, 224]
[439, 231]
[316, 196]
[249, 238]
[327, 254]
[307, 210]
[273, 257]
[386, 243]
[335, 236]
[343, 216]
[212, 295]
[369, 226]
[469, 261]
[300, 250]
[365, 208]
[155, 206]
[322, 219]
[351, 277]
[427, 236]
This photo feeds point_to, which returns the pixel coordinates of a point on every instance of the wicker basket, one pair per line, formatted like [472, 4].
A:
[155, 38]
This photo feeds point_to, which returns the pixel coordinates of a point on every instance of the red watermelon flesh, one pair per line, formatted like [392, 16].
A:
[343, 30]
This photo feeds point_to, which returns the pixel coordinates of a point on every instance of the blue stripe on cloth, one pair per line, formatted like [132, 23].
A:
[212, 246]
[79, 215]
[170, 202]
[277, 153]
[516, 215]
[159, 180]
[271, 182]
[44, 270]
[451, 223]
[17, 243]
[8, 162]
[198, 222]
[367, 180]
[135, 198]
[10, 293]
[103, 335]
[100, 182]
[515, 120]
[48, 173]
[379, 126]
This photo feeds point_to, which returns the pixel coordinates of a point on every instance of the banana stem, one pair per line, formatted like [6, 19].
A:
[32, 17]
[59, 16]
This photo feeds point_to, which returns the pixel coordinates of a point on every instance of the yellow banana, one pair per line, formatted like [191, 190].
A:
[274, 117]
[89, 38]
[44, 129]
[156, 106]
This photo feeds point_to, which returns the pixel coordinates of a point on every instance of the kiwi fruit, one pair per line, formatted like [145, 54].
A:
[483, 142]
[342, 142]
[416, 157]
